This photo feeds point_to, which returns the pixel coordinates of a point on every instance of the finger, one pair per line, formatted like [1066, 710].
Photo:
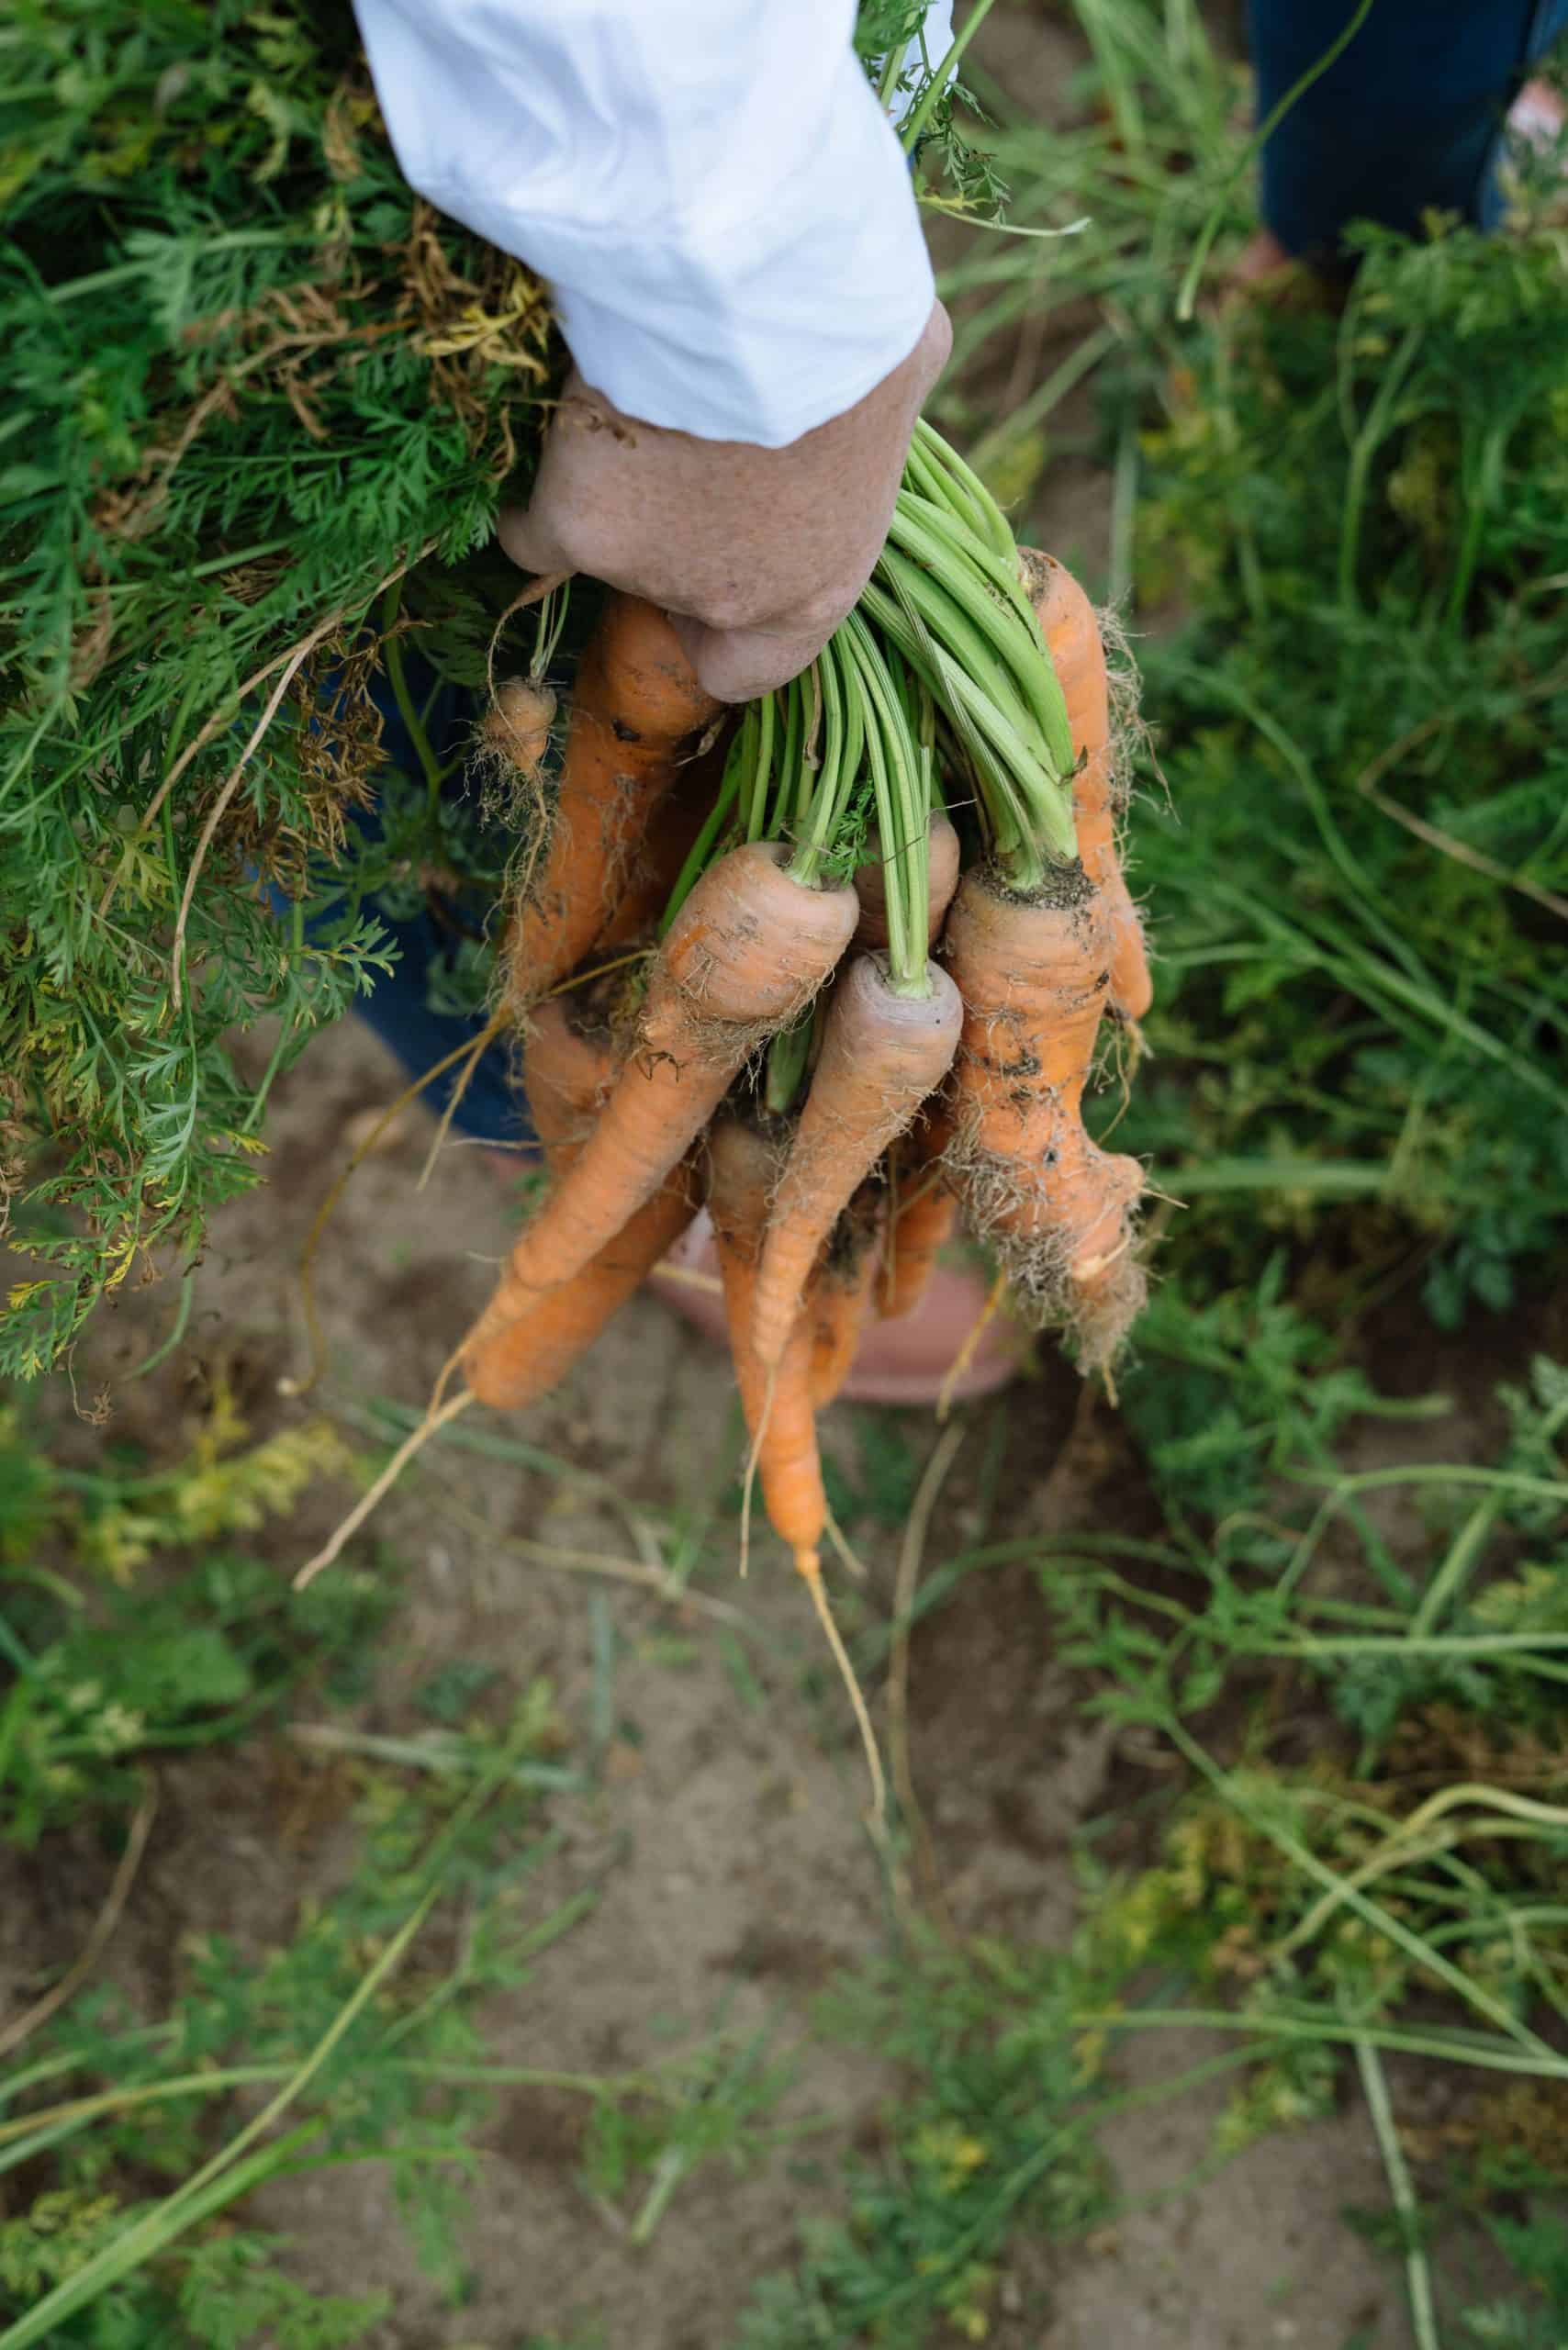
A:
[738, 664]
[530, 541]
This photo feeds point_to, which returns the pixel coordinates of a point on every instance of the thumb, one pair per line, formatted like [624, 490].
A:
[738, 664]
[530, 539]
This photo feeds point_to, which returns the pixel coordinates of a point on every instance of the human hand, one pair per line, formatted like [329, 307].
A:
[756, 553]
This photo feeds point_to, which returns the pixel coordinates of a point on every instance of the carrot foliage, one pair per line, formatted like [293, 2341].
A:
[1380, 667]
[261, 403]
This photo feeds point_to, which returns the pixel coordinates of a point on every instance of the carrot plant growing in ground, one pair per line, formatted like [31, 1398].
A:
[1372, 983]
[261, 397]
[263, 403]
[1385, 1898]
[1342, 526]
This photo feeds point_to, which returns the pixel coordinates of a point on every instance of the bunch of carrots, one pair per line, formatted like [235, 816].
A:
[836, 970]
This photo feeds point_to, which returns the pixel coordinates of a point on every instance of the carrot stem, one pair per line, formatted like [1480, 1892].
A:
[392, 657]
[844, 715]
[793, 787]
[960, 566]
[959, 479]
[901, 814]
[761, 712]
[787, 1056]
[701, 852]
[552, 621]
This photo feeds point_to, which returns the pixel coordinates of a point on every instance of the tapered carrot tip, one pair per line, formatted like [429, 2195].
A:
[809, 1563]
[883, 1053]
[742, 1168]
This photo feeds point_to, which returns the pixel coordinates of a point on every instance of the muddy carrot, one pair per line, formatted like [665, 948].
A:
[659, 858]
[921, 1217]
[883, 1052]
[1035, 980]
[1078, 653]
[839, 1295]
[512, 1359]
[569, 1066]
[635, 707]
[748, 950]
[743, 1165]
[871, 883]
[516, 728]
[525, 1342]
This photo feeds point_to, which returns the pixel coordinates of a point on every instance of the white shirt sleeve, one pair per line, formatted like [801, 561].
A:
[722, 208]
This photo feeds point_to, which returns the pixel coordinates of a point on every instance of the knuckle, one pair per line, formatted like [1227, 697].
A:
[819, 614]
[730, 606]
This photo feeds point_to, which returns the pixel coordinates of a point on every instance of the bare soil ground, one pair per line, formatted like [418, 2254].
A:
[725, 1833]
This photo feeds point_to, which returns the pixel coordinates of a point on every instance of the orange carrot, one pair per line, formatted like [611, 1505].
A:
[747, 953]
[516, 728]
[920, 1222]
[1034, 980]
[512, 1357]
[881, 1054]
[742, 1168]
[569, 1066]
[871, 883]
[524, 1342]
[1078, 654]
[840, 1293]
[660, 856]
[636, 705]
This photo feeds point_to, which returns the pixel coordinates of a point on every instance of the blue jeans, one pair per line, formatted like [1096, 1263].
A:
[399, 1008]
[1408, 118]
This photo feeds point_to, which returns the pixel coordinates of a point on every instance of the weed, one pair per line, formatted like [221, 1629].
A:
[355, 2076]
[993, 2131]
[713, 2105]
[1358, 861]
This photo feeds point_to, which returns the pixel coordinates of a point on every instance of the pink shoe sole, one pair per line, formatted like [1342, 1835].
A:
[906, 1361]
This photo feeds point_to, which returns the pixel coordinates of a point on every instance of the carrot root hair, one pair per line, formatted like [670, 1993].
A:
[415, 1441]
[1083, 1271]
[971, 1348]
[809, 1566]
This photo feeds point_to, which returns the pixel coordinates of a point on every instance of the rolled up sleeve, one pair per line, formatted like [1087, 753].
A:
[720, 205]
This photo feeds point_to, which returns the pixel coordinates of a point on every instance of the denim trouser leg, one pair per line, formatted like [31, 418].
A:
[491, 1109]
[1405, 119]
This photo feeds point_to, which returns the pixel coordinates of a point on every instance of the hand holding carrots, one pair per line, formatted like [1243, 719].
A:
[758, 552]
[865, 1064]
[869, 999]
